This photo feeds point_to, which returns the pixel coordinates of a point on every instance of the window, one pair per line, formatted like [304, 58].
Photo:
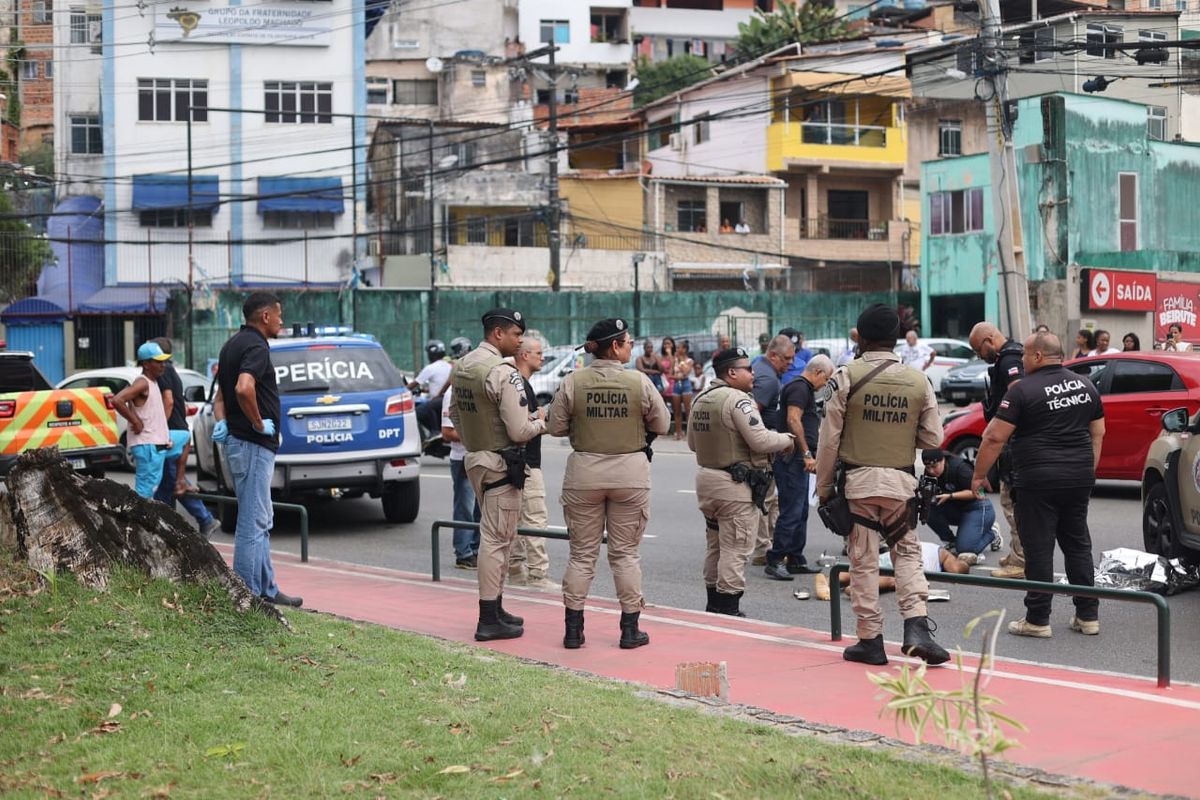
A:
[607, 26]
[1037, 45]
[85, 28]
[168, 99]
[1154, 5]
[732, 211]
[567, 96]
[1095, 371]
[86, 135]
[414, 92]
[1101, 38]
[48, 68]
[303, 102]
[692, 216]
[660, 131]
[377, 91]
[555, 31]
[297, 220]
[950, 137]
[700, 124]
[466, 154]
[1156, 122]
[477, 230]
[43, 12]
[29, 70]
[1127, 191]
[175, 218]
[959, 211]
[478, 77]
[1181, 5]
[1143, 376]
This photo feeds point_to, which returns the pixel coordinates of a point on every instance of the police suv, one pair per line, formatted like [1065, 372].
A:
[348, 426]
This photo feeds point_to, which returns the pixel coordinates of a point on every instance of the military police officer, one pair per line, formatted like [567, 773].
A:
[880, 413]
[611, 414]
[732, 447]
[491, 416]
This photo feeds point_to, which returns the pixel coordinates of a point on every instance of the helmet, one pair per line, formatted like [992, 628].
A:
[459, 346]
[435, 349]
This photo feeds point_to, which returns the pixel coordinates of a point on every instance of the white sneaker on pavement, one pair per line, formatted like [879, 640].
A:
[1021, 627]
[1088, 627]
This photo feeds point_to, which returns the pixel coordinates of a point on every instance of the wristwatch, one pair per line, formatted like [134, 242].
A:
[808, 454]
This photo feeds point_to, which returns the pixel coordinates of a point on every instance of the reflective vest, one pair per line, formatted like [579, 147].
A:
[717, 446]
[606, 416]
[879, 428]
[479, 424]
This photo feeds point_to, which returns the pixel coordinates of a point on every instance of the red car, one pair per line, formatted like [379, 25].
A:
[1136, 389]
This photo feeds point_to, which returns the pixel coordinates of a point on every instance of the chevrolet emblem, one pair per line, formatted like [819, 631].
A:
[329, 399]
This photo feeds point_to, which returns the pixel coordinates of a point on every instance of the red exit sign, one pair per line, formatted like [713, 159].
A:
[1117, 290]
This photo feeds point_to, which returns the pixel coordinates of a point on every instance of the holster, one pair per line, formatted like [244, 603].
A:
[839, 519]
[648, 450]
[759, 481]
[514, 467]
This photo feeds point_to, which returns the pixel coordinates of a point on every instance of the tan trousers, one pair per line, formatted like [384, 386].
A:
[728, 546]
[912, 590]
[625, 513]
[1017, 557]
[529, 552]
[499, 511]
[766, 523]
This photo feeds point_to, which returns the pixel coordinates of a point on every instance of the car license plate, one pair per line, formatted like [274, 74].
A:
[329, 424]
[77, 463]
[958, 395]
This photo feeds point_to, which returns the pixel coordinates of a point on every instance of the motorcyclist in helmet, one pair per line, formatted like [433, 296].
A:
[459, 347]
[433, 380]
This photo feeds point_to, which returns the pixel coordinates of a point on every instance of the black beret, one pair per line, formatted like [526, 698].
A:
[507, 314]
[878, 323]
[792, 334]
[723, 358]
[933, 454]
[607, 329]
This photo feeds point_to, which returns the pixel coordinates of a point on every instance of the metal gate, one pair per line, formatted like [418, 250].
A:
[46, 344]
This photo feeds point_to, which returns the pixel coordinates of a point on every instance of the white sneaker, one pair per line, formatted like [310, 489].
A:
[939, 596]
[1020, 627]
[542, 583]
[997, 539]
[1088, 627]
[970, 559]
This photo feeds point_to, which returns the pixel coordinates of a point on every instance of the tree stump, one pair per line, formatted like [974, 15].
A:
[58, 520]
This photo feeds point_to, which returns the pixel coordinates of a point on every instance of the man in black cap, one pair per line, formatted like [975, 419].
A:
[733, 448]
[957, 506]
[611, 414]
[880, 413]
[491, 415]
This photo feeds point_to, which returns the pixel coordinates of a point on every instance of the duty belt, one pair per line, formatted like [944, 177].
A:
[909, 469]
[759, 481]
[514, 464]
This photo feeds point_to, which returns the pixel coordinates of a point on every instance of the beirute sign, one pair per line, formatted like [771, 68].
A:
[297, 24]
[1117, 290]
[1177, 304]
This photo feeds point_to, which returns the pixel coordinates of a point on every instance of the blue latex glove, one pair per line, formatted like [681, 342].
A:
[220, 432]
[268, 427]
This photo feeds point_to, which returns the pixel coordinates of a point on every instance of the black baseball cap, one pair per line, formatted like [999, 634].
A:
[933, 454]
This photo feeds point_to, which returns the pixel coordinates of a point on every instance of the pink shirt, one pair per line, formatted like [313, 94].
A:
[153, 417]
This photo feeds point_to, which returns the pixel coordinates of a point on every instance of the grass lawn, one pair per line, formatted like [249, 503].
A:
[157, 690]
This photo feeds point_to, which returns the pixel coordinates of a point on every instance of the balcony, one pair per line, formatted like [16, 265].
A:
[825, 239]
[860, 229]
[835, 144]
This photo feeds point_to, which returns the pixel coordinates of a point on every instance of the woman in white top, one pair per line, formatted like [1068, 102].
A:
[1175, 340]
[1103, 338]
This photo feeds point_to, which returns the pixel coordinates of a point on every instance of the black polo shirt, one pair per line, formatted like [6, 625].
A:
[1008, 368]
[800, 393]
[169, 382]
[533, 448]
[1052, 446]
[247, 351]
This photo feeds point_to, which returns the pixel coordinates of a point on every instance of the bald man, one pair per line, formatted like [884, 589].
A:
[1005, 357]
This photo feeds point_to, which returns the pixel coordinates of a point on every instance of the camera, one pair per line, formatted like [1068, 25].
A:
[927, 492]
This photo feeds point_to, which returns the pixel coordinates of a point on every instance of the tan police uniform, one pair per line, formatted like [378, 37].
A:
[766, 525]
[877, 437]
[607, 411]
[725, 429]
[489, 414]
[529, 559]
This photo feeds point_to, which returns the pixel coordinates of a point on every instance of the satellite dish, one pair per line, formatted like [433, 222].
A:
[434, 64]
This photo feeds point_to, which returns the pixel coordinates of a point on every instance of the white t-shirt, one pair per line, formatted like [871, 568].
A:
[931, 561]
[1107, 352]
[917, 356]
[457, 451]
[435, 375]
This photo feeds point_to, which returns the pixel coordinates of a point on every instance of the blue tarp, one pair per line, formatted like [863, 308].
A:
[76, 232]
[160, 192]
[323, 195]
[128, 299]
[32, 311]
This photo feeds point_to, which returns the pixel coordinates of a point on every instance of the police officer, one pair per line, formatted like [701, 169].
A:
[732, 447]
[879, 414]
[492, 419]
[611, 414]
[1006, 369]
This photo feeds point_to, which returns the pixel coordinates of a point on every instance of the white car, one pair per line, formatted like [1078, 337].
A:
[557, 363]
[948, 353]
[117, 378]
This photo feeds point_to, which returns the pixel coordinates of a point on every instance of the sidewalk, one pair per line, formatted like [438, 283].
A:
[1113, 729]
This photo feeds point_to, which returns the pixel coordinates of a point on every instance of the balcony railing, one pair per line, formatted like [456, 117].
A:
[852, 135]
[479, 233]
[826, 228]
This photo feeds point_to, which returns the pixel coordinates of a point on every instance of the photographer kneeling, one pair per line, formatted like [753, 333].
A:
[957, 506]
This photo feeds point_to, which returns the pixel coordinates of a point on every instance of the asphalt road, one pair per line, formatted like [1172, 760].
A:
[354, 531]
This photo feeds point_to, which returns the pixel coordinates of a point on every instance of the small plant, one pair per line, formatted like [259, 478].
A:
[50, 577]
[965, 717]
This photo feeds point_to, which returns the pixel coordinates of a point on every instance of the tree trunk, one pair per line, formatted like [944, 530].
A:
[61, 521]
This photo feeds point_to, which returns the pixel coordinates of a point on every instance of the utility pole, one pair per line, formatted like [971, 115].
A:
[432, 238]
[191, 228]
[555, 209]
[1015, 313]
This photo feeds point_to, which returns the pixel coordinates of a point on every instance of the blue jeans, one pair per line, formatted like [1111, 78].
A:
[466, 541]
[252, 466]
[791, 529]
[148, 468]
[166, 494]
[974, 520]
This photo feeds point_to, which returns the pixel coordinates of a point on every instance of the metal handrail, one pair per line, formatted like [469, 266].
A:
[224, 499]
[560, 533]
[1099, 592]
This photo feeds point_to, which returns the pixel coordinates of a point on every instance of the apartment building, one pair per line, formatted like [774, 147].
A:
[35, 67]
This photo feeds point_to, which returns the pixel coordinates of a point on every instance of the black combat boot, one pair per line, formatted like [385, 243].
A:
[727, 604]
[505, 617]
[714, 601]
[919, 643]
[732, 604]
[867, 651]
[491, 626]
[573, 640]
[631, 637]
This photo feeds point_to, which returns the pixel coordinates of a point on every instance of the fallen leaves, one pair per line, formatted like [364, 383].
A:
[455, 769]
[350, 762]
[114, 710]
[96, 777]
[108, 726]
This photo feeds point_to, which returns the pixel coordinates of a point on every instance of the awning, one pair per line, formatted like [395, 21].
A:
[127, 299]
[846, 84]
[318, 195]
[33, 311]
[160, 192]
